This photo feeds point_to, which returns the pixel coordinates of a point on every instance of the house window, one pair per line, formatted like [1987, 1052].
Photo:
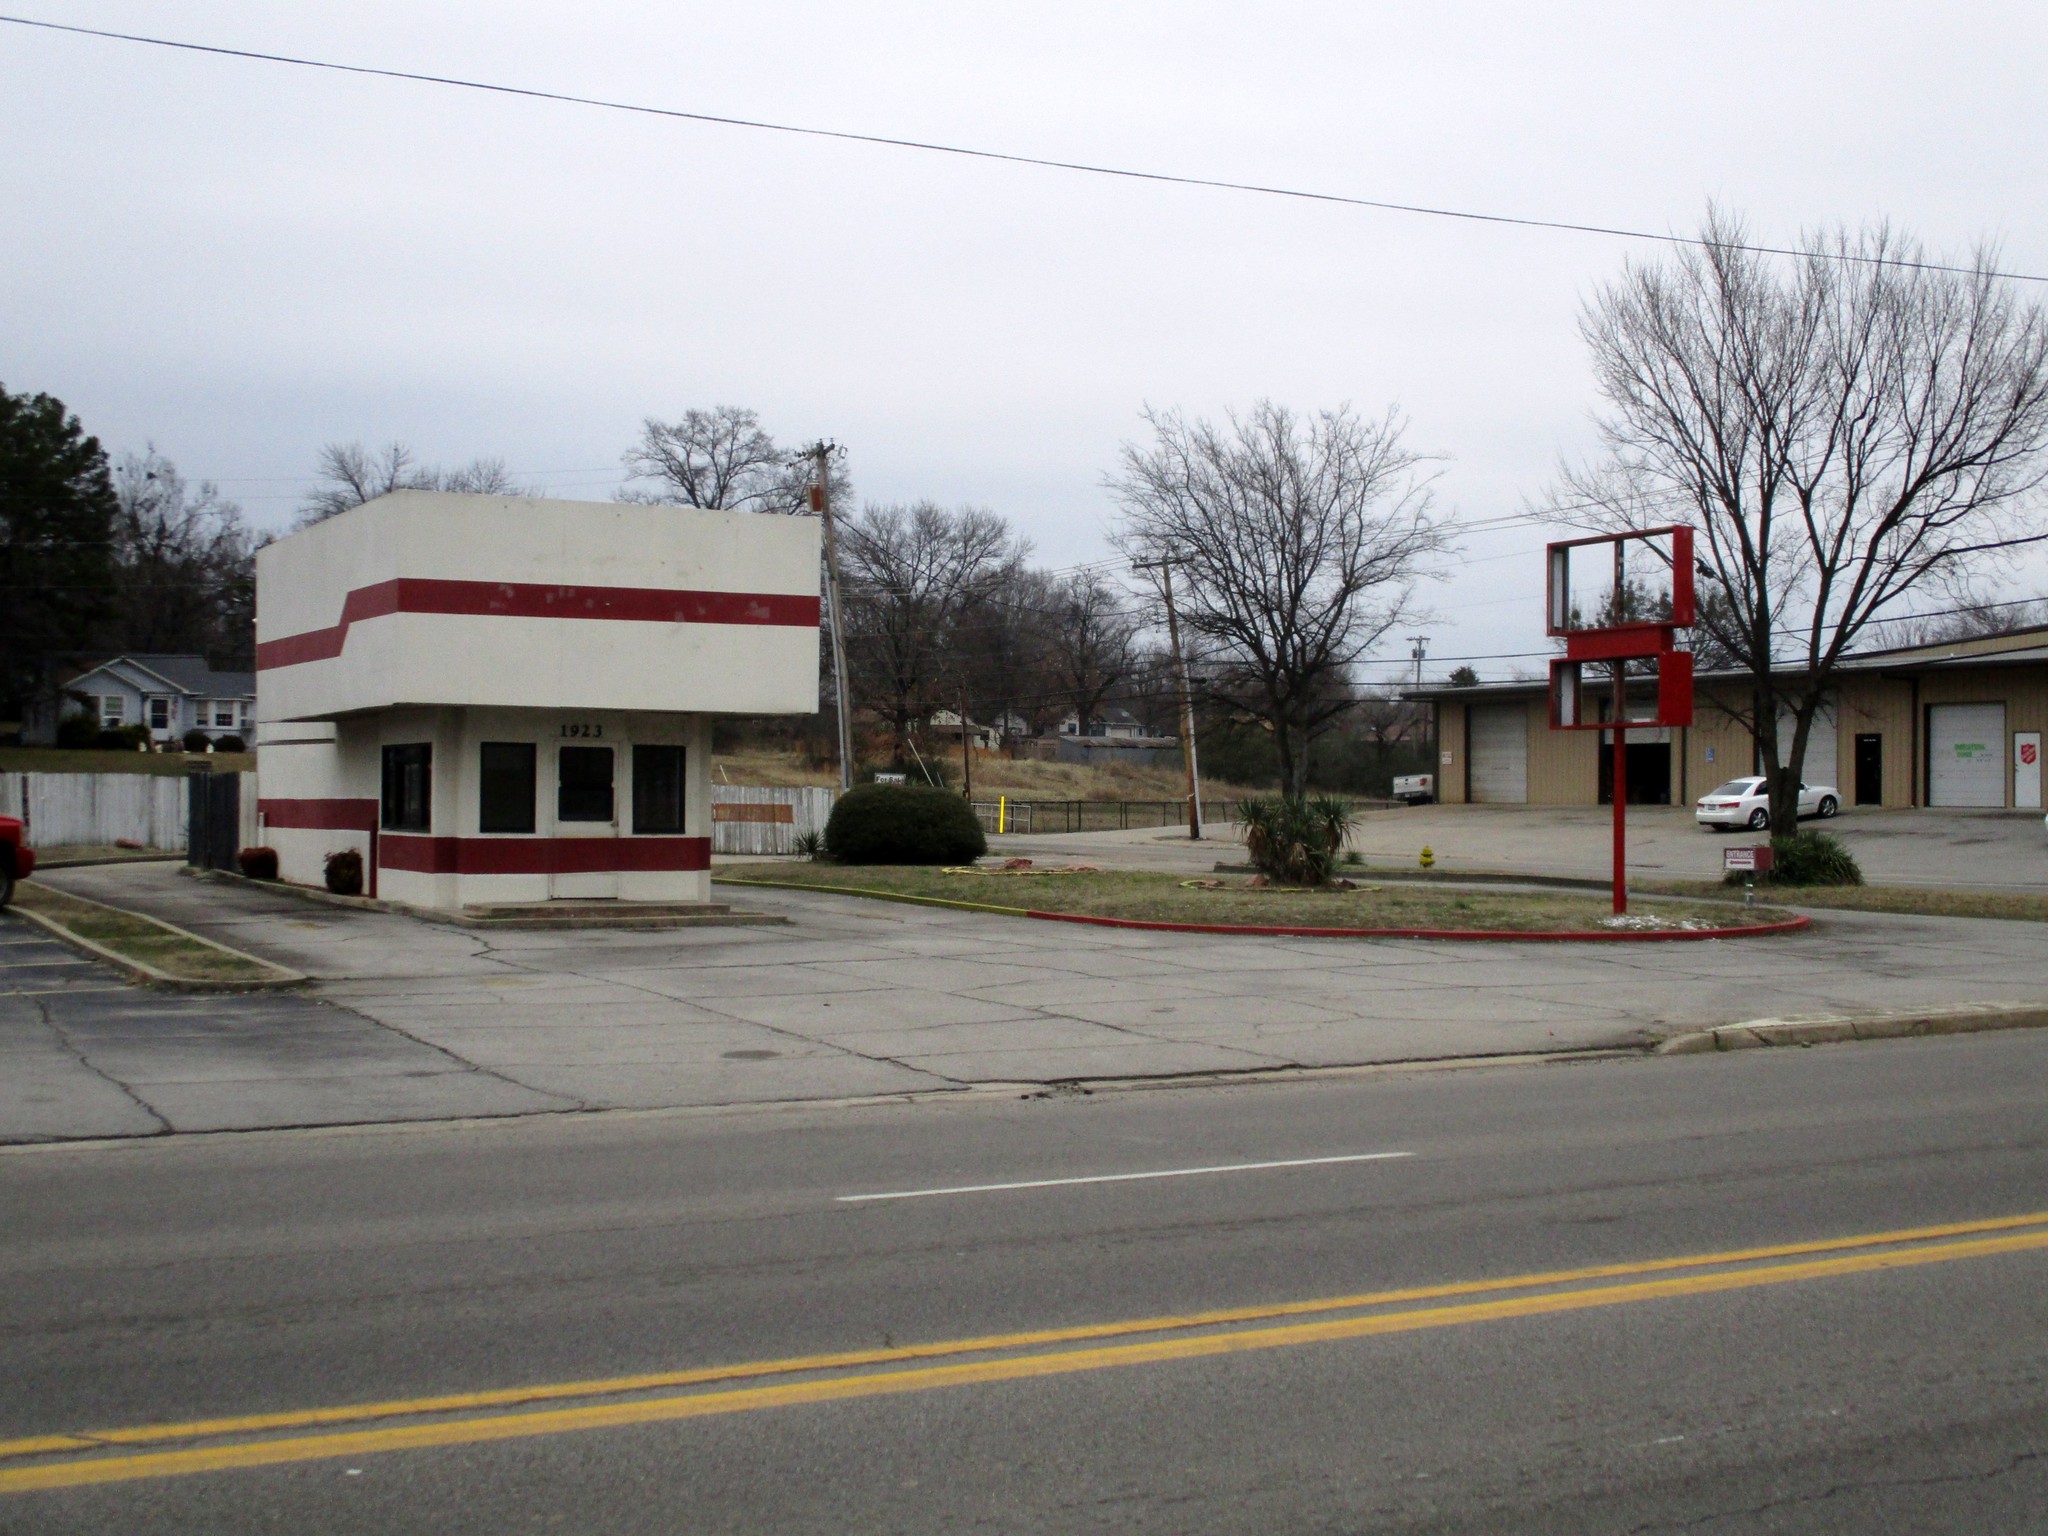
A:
[113, 710]
[159, 714]
[658, 789]
[408, 787]
[506, 787]
[585, 792]
[224, 714]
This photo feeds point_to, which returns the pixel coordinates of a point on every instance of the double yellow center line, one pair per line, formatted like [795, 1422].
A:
[269, 1439]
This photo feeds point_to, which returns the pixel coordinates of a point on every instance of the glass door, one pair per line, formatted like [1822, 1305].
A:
[586, 813]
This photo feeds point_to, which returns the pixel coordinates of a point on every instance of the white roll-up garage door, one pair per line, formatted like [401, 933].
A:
[1500, 753]
[1821, 747]
[1966, 754]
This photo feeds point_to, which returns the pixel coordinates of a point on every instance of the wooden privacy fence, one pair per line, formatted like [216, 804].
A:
[765, 819]
[72, 809]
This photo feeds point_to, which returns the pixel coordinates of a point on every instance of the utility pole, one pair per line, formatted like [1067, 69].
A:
[821, 503]
[966, 751]
[1187, 697]
[1421, 644]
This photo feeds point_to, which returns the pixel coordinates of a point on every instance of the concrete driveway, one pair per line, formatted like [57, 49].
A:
[856, 998]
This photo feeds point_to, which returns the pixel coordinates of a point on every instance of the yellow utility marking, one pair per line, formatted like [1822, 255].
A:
[81, 1471]
[503, 1397]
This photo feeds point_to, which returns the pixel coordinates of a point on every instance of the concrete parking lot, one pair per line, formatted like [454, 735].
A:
[414, 1020]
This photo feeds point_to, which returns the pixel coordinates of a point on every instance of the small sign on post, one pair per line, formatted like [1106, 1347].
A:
[1748, 861]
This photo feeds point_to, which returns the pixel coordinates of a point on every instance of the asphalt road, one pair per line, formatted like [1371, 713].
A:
[1876, 1385]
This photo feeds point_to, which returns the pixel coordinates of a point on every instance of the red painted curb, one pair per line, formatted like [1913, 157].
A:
[1493, 935]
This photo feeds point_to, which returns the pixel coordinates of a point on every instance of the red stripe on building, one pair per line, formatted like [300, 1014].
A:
[320, 815]
[533, 600]
[541, 855]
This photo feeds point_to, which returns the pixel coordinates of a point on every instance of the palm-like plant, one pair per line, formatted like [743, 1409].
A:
[1294, 841]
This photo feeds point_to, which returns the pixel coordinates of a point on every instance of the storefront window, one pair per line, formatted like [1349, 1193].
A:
[658, 789]
[507, 787]
[408, 787]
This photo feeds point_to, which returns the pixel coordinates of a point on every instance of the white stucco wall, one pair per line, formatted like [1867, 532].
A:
[572, 561]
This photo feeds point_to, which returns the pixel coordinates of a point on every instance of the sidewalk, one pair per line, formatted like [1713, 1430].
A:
[416, 1020]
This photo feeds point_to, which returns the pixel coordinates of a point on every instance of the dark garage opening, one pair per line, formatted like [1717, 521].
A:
[1649, 772]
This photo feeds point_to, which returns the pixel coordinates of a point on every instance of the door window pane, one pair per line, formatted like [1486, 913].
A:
[508, 782]
[585, 793]
[658, 789]
[408, 787]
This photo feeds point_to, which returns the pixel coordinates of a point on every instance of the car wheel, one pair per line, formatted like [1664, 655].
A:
[1828, 806]
[1759, 819]
[6, 884]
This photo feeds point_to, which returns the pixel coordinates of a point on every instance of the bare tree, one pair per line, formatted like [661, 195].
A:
[1844, 430]
[1090, 634]
[1295, 546]
[721, 458]
[916, 577]
[184, 574]
[350, 475]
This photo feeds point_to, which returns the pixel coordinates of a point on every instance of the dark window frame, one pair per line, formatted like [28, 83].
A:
[397, 812]
[585, 813]
[651, 818]
[500, 813]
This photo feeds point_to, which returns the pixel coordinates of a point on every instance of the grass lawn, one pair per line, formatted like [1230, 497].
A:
[54, 760]
[137, 938]
[1926, 901]
[1167, 898]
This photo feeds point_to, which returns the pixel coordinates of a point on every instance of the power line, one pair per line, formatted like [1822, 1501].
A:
[1080, 167]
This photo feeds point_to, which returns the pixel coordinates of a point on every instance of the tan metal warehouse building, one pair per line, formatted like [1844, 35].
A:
[1957, 724]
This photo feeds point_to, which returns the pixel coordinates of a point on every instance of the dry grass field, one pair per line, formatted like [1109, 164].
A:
[993, 775]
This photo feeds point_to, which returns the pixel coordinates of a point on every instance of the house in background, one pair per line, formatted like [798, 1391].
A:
[169, 694]
[1108, 724]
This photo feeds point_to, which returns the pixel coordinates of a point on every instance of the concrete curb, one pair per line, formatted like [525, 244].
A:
[149, 975]
[1833, 1029]
[623, 920]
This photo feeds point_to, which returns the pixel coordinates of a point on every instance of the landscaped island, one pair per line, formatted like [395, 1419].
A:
[1234, 901]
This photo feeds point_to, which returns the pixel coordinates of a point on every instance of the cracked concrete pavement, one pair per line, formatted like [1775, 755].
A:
[407, 1019]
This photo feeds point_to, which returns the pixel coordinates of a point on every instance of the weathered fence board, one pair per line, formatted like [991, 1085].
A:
[765, 819]
[72, 809]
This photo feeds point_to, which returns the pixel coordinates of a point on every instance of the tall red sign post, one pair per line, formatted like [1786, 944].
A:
[1636, 620]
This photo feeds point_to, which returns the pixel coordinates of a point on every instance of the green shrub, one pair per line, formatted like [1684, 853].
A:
[122, 738]
[810, 845]
[258, 863]
[344, 871]
[1294, 842]
[1809, 858]
[78, 732]
[230, 743]
[903, 824]
[195, 740]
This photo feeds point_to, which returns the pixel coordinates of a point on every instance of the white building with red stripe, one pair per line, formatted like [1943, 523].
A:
[506, 699]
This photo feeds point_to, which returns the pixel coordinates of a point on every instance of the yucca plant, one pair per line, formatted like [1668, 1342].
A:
[1294, 842]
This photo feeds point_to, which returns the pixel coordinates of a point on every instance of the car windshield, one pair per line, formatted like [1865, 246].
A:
[1735, 787]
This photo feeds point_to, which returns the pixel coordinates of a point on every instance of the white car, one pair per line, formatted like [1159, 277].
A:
[1747, 803]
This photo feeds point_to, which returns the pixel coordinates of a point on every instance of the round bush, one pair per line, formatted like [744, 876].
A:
[230, 744]
[344, 872]
[903, 824]
[1810, 858]
[258, 863]
[195, 740]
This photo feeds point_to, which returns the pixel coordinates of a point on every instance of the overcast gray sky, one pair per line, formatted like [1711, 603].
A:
[241, 261]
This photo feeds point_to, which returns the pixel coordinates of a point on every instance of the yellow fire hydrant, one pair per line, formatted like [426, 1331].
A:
[1428, 859]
